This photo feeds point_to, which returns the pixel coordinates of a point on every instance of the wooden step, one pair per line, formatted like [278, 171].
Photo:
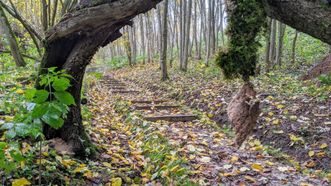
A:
[157, 107]
[118, 88]
[148, 101]
[116, 85]
[124, 91]
[113, 82]
[172, 118]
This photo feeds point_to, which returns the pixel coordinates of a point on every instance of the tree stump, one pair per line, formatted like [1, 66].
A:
[243, 112]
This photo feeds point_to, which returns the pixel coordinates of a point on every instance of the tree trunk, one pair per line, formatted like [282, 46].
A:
[209, 28]
[73, 42]
[310, 17]
[294, 44]
[187, 28]
[272, 42]
[281, 33]
[142, 35]
[268, 44]
[8, 32]
[164, 42]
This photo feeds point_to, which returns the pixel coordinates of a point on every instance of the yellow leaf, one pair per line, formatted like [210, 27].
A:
[321, 154]
[234, 159]
[106, 164]
[311, 153]
[271, 114]
[67, 163]
[80, 168]
[328, 176]
[20, 182]
[116, 182]
[280, 106]
[323, 146]
[276, 122]
[104, 130]
[227, 174]
[41, 161]
[210, 115]
[174, 169]
[88, 174]
[295, 138]
[19, 91]
[257, 167]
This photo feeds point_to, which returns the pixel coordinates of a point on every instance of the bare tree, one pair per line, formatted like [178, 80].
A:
[164, 41]
[10, 37]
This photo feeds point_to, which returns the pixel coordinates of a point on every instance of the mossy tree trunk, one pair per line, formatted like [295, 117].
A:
[72, 43]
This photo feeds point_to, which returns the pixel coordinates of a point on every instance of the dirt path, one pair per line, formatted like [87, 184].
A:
[162, 141]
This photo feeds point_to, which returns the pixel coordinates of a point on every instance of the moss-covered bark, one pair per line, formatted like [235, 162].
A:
[246, 20]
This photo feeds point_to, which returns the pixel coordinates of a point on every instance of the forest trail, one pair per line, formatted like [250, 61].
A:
[148, 138]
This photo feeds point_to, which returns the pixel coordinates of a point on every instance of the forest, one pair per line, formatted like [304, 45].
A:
[165, 92]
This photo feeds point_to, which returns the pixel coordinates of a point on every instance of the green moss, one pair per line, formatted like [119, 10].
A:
[246, 20]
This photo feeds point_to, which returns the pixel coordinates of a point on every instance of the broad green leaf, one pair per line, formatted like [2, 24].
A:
[22, 129]
[10, 134]
[16, 156]
[7, 126]
[39, 110]
[30, 93]
[53, 120]
[3, 145]
[41, 96]
[61, 84]
[65, 98]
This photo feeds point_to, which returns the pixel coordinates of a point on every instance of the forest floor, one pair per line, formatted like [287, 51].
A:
[196, 152]
[290, 146]
[200, 151]
[295, 119]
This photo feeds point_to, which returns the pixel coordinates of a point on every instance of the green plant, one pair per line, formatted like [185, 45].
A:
[49, 105]
[325, 79]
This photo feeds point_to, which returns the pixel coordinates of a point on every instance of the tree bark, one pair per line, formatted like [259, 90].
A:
[272, 43]
[164, 42]
[268, 44]
[73, 42]
[279, 52]
[310, 17]
[294, 44]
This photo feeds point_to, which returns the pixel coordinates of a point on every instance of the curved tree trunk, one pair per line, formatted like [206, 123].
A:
[72, 43]
[310, 17]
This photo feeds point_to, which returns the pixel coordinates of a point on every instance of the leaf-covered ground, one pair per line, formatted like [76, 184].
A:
[135, 151]
[198, 152]
[294, 126]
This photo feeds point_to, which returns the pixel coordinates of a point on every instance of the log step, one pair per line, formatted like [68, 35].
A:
[118, 88]
[157, 107]
[116, 84]
[124, 91]
[172, 118]
[148, 101]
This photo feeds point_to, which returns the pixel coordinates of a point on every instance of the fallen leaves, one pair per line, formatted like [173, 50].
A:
[205, 159]
[311, 153]
[323, 146]
[21, 182]
[116, 182]
[257, 167]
